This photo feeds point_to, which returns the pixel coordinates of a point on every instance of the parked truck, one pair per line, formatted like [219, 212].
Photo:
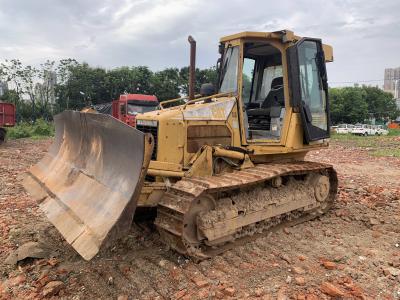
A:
[7, 119]
[127, 106]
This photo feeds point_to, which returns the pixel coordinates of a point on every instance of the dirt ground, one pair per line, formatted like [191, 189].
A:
[353, 252]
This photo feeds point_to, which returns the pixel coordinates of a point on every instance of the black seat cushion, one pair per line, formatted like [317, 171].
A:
[275, 96]
[259, 112]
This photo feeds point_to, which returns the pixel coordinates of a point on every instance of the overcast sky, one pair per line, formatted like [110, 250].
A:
[365, 35]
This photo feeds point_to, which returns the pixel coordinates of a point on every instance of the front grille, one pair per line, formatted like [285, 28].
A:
[154, 131]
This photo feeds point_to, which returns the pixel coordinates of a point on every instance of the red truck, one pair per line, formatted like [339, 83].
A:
[7, 119]
[128, 106]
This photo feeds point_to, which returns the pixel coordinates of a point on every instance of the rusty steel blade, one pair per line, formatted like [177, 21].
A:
[90, 180]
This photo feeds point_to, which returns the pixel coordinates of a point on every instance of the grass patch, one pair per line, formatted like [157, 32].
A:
[37, 130]
[373, 142]
[386, 152]
[394, 132]
[359, 141]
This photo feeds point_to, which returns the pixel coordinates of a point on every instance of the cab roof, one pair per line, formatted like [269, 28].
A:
[138, 97]
[284, 35]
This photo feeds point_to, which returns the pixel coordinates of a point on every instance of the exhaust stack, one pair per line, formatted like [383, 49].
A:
[192, 67]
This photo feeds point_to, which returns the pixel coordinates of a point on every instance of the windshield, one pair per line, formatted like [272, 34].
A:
[137, 109]
[342, 126]
[229, 70]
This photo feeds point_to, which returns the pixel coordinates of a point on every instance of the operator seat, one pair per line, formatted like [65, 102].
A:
[275, 97]
[268, 117]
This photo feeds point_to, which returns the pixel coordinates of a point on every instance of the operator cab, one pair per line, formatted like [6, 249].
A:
[277, 76]
[263, 97]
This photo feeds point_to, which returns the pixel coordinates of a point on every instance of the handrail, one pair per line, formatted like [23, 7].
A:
[172, 100]
[176, 99]
[208, 97]
[195, 99]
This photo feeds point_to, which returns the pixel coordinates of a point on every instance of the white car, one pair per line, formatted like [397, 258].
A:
[344, 128]
[380, 130]
[363, 129]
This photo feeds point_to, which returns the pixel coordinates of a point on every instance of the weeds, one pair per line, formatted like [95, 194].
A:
[386, 152]
[359, 141]
[394, 132]
[385, 145]
[37, 130]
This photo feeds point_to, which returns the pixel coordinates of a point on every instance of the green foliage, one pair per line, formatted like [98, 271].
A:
[348, 105]
[357, 104]
[39, 129]
[246, 87]
[84, 85]
[42, 128]
[384, 145]
[166, 84]
[380, 104]
[202, 76]
[386, 152]
[22, 130]
[359, 141]
[78, 85]
[394, 132]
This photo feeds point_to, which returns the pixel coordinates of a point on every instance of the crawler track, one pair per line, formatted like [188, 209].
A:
[204, 216]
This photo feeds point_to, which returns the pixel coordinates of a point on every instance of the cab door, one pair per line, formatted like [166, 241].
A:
[309, 87]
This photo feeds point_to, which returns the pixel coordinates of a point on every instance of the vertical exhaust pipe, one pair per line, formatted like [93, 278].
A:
[192, 67]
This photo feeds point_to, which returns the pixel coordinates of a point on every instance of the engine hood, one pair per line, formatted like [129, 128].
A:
[215, 110]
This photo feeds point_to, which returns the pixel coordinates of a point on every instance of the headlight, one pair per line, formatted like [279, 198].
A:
[152, 123]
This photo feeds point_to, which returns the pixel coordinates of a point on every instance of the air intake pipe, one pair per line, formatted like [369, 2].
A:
[192, 67]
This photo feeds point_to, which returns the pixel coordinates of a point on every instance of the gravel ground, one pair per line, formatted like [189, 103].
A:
[352, 252]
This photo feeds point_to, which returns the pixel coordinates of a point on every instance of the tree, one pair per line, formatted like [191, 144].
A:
[28, 78]
[348, 105]
[45, 91]
[381, 105]
[85, 85]
[142, 80]
[68, 84]
[10, 71]
[202, 76]
[357, 104]
[119, 81]
[246, 87]
[166, 84]
[63, 71]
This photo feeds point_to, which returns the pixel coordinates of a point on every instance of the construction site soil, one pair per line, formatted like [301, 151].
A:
[352, 252]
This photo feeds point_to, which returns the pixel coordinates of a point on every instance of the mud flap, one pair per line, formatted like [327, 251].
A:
[89, 182]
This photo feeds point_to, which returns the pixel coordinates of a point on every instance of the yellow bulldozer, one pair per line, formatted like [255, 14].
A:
[218, 168]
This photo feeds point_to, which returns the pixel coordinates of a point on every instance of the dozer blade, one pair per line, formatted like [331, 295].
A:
[89, 182]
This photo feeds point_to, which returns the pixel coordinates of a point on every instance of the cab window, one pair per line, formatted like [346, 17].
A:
[229, 71]
[247, 77]
[262, 91]
[122, 109]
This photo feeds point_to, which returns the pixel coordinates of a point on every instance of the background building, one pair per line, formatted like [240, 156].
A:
[3, 88]
[392, 81]
[45, 91]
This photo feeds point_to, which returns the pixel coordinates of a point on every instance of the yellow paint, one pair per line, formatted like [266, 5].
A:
[172, 155]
